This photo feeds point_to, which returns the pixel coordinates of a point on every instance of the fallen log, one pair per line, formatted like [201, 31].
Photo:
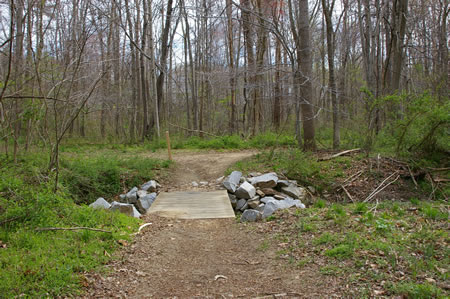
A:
[339, 154]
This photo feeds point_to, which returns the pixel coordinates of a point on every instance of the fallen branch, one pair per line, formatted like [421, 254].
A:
[191, 130]
[41, 229]
[348, 194]
[378, 189]
[339, 154]
[10, 220]
[412, 176]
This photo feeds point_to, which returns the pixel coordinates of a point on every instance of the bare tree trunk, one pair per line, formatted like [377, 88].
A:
[328, 13]
[233, 122]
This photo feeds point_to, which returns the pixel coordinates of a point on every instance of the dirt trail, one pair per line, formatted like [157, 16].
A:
[205, 258]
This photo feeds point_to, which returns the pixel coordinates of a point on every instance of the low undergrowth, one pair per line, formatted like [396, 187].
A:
[51, 263]
[385, 249]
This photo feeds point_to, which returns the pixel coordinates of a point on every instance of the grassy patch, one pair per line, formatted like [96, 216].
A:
[399, 248]
[50, 263]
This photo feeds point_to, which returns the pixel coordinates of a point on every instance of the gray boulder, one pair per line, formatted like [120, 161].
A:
[123, 197]
[150, 186]
[232, 181]
[269, 209]
[250, 216]
[233, 200]
[268, 180]
[240, 204]
[294, 191]
[132, 195]
[144, 203]
[267, 199]
[141, 193]
[286, 183]
[246, 190]
[125, 208]
[100, 203]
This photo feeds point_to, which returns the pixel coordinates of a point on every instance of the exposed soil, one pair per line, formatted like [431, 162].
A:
[205, 258]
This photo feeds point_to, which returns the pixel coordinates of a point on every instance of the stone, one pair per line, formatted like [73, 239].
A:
[268, 180]
[219, 180]
[125, 208]
[261, 207]
[150, 186]
[312, 189]
[242, 179]
[280, 196]
[194, 184]
[260, 193]
[269, 209]
[240, 204]
[100, 203]
[232, 181]
[295, 192]
[246, 190]
[132, 195]
[144, 203]
[141, 193]
[254, 202]
[123, 197]
[286, 183]
[244, 207]
[233, 203]
[203, 183]
[267, 199]
[251, 216]
[253, 174]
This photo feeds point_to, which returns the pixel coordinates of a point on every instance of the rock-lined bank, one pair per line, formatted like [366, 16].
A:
[134, 203]
[258, 195]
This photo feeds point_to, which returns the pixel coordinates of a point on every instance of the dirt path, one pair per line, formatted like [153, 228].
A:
[205, 258]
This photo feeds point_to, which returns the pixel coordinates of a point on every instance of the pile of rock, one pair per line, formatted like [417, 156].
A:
[260, 195]
[134, 203]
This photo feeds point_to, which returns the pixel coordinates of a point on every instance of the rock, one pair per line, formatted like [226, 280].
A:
[269, 209]
[261, 207]
[141, 193]
[312, 189]
[250, 216]
[260, 193]
[203, 183]
[267, 199]
[144, 203]
[295, 192]
[286, 183]
[233, 200]
[232, 181]
[242, 179]
[240, 204]
[132, 195]
[219, 180]
[150, 186]
[268, 180]
[125, 208]
[280, 196]
[100, 203]
[246, 190]
[123, 197]
[194, 184]
[253, 174]
[254, 202]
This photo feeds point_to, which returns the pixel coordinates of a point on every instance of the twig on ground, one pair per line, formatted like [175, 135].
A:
[40, 229]
[347, 193]
[381, 187]
[339, 154]
[412, 176]
[352, 178]
[10, 220]
[374, 208]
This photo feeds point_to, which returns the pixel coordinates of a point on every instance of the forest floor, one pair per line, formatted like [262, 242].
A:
[314, 253]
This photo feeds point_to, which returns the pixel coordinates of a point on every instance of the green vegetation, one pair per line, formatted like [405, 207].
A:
[395, 249]
[50, 263]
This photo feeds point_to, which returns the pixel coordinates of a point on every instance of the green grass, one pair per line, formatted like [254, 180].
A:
[395, 248]
[51, 263]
